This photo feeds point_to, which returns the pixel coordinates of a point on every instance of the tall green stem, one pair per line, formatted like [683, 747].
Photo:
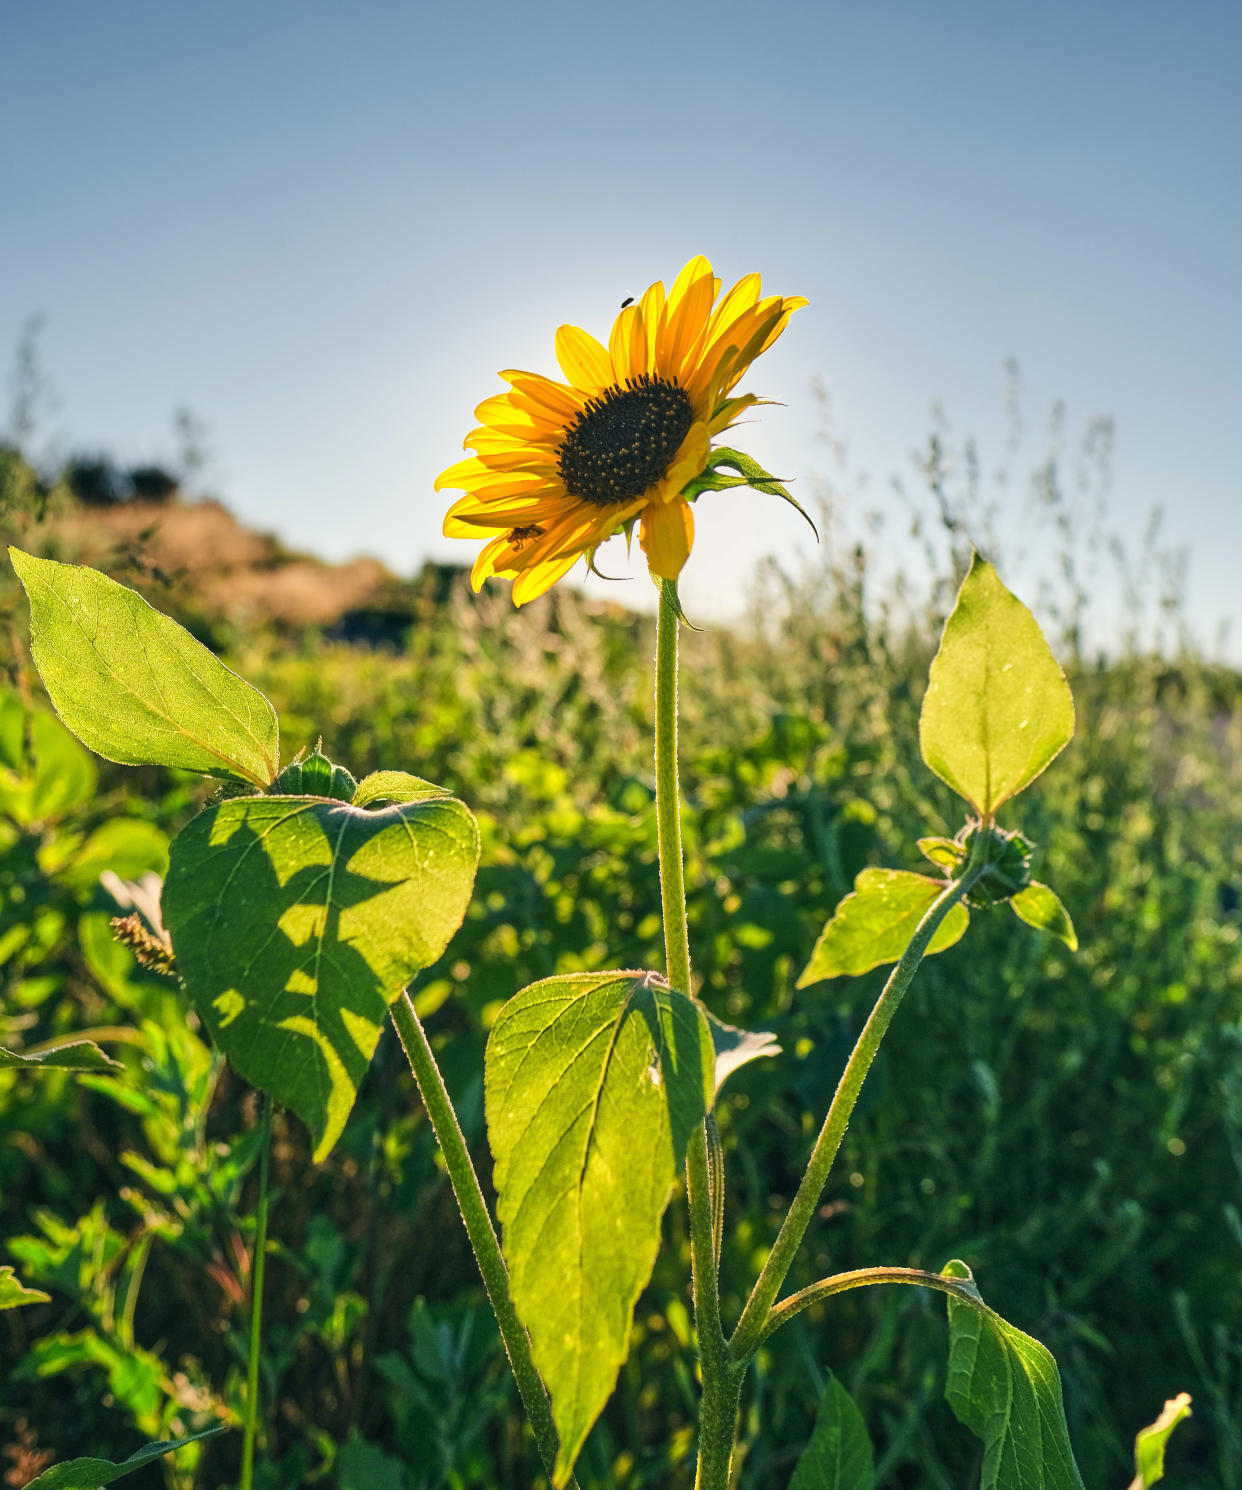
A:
[721, 1382]
[258, 1267]
[479, 1228]
[753, 1324]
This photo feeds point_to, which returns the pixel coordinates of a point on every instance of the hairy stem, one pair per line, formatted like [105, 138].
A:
[864, 1278]
[258, 1267]
[754, 1321]
[479, 1228]
[721, 1383]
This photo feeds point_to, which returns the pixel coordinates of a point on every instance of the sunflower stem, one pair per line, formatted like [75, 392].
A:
[479, 1228]
[722, 1381]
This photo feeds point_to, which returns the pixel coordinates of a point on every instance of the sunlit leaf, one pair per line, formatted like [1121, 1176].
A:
[838, 1455]
[134, 686]
[296, 921]
[873, 925]
[1151, 1442]
[53, 777]
[1005, 1388]
[395, 786]
[997, 708]
[946, 852]
[1040, 907]
[736, 1048]
[72, 1055]
[14, 1293]
[594, 1083]
[93, 1474]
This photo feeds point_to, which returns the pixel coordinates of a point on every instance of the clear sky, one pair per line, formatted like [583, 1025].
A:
[324, 227]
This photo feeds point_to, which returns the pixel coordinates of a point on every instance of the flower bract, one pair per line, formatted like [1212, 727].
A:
[559, 467]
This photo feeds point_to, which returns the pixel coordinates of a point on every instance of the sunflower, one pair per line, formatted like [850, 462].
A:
[560, 467]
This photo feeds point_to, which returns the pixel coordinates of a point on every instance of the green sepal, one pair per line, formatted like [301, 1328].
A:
[946, 853]
[750, 473]
[1041, 907]
[314, 776]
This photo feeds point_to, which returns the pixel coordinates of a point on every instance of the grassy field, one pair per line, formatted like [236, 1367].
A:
[1069, 1124]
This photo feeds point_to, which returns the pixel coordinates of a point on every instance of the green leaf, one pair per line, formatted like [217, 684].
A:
[594, 1083]
[395, 786]
[735, 1048]
[296, 922]
[1150, 1444]
[56, 776]
[134, 686]
[72, 1055]
[1040, 907]
[93, 1474]
[997, 708]
[839, 1454]
[946, 852]
[127, 846]
[874, 924]
[1005, 1388]
[14, 1293]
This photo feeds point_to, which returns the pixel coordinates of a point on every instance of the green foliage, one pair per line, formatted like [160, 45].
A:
[68, 1055]
[134, 686]
[298, 920]
[93, 1474]
[998, 708]
[14, 1293]
[1151, 1442]
[594, 1084]
[1004, 1387]
[873, 924]
[839, 1454]
[1040, 907]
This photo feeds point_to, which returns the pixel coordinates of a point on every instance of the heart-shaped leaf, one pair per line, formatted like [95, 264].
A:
[997, 708]
[873, 925]
[594, 1083]
[296, 921]
[839, 1455]
[1005, 1388]
[134, 686]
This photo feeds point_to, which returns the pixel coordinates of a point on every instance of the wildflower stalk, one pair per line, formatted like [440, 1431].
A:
[722, 1379]
[479, 1228]
[258, 1267]
[756, 1317]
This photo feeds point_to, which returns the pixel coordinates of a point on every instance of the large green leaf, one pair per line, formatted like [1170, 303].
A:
[296, 921]
[594, 1084]
[1151, 1442]
[997, 708]
[874, 924]
[839, 1454]
[14, 1293]
[1005, 1388]
[93, 1474]
[134, 686]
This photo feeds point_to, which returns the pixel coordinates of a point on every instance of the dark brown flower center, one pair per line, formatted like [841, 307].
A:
[624, 440]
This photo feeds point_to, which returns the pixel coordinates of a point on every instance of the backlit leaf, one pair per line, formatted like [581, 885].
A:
[839, 1455]
[93, 1474]
[1151, 1442]
[14, 1293]
[736, 1048]
[873, 925]
[296, 921]
[997, 708]
[594, 1084]
[134, 686]
[1040, 907]
[1005, 1388]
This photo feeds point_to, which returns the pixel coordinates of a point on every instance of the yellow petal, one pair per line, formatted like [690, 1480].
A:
[583, 361]
[540, 578]
[652, 307]
[726, 414]
[685, 319]
[690, 459]
[501, 413]
[561, 401]
[667, 535]
[628, 345]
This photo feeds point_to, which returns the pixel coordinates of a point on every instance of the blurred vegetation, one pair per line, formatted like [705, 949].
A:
[1069, 1125]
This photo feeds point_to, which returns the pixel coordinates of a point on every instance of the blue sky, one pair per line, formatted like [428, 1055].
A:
[323, 227]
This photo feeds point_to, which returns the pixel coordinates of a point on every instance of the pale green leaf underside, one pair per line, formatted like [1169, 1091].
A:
[997, 708]
[14, 1293]
[594, 1083]
[838, 1455]
[736, 1048]
[874, 923]
[73, 1055]
[1004, 1387]
[1041, 907]
[296, 921]
[134, 686]
[1151, 1442]
[93, 1474]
